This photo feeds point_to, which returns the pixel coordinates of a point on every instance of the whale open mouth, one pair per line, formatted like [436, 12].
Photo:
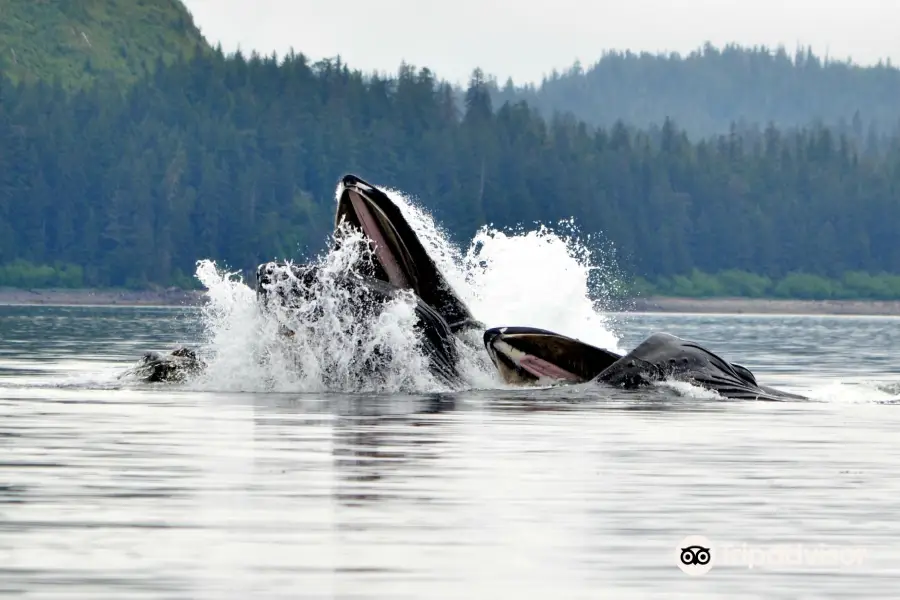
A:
[537, 356]
[361, 206]
[400, 257]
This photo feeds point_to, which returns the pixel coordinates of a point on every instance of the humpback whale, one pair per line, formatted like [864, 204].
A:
[400, 257]
[176, 366]
[528, 355]
[400, 263]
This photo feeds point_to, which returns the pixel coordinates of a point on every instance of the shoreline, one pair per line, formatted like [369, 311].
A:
[656, 304]
[99, 297]
[765, 306]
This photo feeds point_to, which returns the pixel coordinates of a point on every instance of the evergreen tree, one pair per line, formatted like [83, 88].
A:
[236, 159]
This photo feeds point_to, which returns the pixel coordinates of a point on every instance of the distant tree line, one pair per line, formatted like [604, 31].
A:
[236, 159]
[707, 90]
[852, 286]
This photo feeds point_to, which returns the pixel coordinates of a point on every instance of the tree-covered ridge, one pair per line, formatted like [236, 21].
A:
[80, 40]
[236, 159]
[706, 90]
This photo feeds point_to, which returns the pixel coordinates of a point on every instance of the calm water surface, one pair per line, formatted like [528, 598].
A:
[155, 492]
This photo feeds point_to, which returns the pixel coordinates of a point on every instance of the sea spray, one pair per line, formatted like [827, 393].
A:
[553, 278]
[331, 348]
[538, 278]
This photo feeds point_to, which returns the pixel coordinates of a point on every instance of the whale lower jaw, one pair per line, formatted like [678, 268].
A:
[368, 209]
[540, 369]
[526, 355]
[390, 253]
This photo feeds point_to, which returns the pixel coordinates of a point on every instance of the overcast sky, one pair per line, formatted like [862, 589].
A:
[526, 39]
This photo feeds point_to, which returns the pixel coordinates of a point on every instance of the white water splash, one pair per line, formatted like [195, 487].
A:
[860, 392]
[536, 278]
[245, 350]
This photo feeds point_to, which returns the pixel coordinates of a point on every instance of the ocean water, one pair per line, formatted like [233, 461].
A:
[284, 471]
[116, 489]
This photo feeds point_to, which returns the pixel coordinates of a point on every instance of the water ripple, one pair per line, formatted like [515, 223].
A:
[152, 492]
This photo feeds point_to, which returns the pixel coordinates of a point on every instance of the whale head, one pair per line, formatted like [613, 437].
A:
[528, 355]
[400, 257]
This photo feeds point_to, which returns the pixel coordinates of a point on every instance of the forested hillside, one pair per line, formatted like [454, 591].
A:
[237, 159]
[705, 91]
[80, 41]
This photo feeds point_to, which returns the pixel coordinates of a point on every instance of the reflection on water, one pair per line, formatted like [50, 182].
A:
[155, 492]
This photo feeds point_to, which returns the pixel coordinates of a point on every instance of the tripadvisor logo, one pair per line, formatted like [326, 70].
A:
[696, 555]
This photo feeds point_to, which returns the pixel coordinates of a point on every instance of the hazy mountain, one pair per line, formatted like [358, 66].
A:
[707, 90]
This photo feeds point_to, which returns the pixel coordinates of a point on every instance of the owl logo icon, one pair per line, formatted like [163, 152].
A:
[694, 555]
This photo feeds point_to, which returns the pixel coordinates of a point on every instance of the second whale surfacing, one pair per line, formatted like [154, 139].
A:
[528, 355]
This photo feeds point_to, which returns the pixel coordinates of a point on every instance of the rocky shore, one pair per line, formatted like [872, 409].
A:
[177, 297]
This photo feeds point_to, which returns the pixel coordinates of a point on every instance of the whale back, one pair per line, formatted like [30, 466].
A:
[664, 356]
